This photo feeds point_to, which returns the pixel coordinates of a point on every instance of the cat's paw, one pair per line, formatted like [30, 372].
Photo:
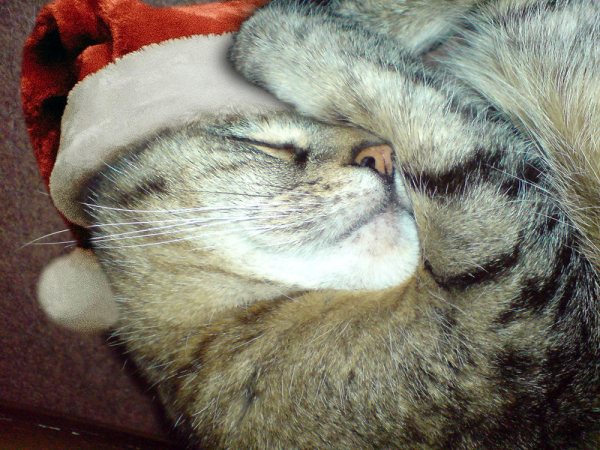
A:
[302, 55]
[272, 46]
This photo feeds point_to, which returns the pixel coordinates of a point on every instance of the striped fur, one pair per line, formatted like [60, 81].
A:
[490, 340]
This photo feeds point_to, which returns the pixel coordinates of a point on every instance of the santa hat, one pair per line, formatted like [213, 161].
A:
[100, 74]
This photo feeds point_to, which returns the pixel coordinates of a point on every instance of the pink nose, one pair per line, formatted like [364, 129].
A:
[377, 157]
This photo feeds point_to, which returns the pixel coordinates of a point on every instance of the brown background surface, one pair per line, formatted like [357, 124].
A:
[42, 365]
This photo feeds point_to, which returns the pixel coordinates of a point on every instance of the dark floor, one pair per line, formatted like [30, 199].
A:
[42, 365]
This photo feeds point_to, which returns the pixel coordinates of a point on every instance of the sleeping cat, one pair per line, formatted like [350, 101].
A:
[467, 314]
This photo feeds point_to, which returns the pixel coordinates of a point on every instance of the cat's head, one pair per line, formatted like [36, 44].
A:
[276, 198]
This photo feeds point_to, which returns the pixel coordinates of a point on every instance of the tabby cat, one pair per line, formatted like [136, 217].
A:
[284, 285]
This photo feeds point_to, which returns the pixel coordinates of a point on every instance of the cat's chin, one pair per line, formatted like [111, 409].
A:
[382, 253]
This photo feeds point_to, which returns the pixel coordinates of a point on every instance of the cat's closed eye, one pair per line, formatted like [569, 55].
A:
[373, 155]
[287, 150]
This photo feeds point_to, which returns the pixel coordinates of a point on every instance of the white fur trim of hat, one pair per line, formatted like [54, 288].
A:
[159, 86]
[156, 87]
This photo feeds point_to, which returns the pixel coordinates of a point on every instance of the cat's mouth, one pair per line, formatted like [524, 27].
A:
[378, 250]
[381, 232]
[381, 220]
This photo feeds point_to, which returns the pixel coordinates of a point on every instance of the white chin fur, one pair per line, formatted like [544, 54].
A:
[381, 254]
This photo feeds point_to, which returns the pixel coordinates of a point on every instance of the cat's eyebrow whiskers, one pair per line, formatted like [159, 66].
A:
[177, 225]
[211, 223]
[143, 232]
[145, 222]
[246, 194]
[261, 229]
[169, 211]
[242, 194]
[70, 243]
[186, 238]
[185, 221]
[193, 210]
[36, 241]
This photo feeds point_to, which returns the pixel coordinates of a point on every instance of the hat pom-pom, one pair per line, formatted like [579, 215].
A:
[75, 293]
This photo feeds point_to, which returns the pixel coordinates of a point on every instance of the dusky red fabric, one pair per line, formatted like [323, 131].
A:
[74, 38]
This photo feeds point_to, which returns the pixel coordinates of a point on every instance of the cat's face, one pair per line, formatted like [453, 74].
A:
[280, 199]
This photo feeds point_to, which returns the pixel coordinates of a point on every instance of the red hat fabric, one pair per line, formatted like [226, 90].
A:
[99, 75]
[74, 38]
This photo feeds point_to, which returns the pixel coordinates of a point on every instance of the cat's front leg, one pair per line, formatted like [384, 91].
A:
[304, 56]
[420, 25]
[332, 70]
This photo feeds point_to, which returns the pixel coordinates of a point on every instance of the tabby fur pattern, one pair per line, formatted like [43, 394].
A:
[488, 339]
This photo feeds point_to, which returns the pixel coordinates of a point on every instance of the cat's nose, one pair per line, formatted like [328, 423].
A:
[378, 158]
